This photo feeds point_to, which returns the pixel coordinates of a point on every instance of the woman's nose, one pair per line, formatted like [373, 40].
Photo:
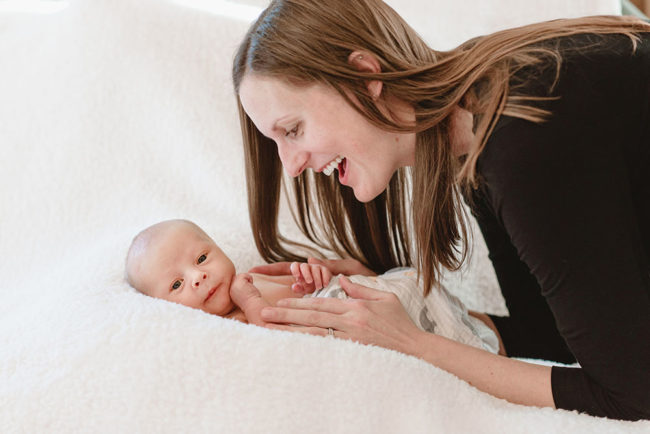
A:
[294, 162]
[199, 278]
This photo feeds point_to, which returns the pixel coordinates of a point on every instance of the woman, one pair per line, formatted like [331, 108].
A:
[544, 128]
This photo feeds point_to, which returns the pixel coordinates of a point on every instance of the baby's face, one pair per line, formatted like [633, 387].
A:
[184, 266]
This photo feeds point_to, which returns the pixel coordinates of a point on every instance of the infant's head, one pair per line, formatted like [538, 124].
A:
[176, 261]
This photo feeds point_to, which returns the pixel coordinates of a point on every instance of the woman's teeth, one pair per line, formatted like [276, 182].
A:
[333, 165]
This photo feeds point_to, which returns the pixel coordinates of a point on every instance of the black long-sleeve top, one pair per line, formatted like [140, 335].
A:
[564, 207]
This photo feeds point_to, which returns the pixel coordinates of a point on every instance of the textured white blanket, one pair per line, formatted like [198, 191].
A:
[115, 114]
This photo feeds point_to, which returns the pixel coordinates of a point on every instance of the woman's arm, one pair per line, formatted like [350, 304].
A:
[510, 379]
[377, 317]
[488, 322]
[572, 196]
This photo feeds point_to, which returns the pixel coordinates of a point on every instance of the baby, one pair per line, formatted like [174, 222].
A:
[175, 260]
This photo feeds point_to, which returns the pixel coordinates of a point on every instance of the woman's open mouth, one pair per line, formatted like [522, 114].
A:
[342, 167]
[329, 168]
[339, 163]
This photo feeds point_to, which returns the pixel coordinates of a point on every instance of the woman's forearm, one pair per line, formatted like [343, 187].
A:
[378, 318]
[488, 322]
[513, 380]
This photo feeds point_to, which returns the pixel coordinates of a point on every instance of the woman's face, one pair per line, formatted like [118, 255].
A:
[313, 127]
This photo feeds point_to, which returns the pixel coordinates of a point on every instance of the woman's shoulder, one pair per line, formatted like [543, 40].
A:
[598, 97]
[582, 56]
[597, 74]
[600, 42]
[605, 51]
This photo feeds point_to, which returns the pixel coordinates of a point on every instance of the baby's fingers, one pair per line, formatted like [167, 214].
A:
[326, 276]
[298, 288]
[318, 280]
[295, 271]
[305, 270]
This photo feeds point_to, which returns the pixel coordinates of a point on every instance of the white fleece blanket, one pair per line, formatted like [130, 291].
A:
[115, 114]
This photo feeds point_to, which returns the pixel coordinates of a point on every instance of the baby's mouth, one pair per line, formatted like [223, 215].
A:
[210, 294]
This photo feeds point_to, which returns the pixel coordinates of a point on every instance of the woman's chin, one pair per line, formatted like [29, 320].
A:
[365, 195]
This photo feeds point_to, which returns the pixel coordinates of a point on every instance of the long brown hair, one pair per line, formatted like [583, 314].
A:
[309, 41]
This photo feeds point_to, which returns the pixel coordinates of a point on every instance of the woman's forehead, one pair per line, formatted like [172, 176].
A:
[268, 100]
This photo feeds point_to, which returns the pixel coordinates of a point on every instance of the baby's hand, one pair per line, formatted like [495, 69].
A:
[309, 277]
[242, 290]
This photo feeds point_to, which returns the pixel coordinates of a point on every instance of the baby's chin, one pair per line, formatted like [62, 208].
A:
[220, 310]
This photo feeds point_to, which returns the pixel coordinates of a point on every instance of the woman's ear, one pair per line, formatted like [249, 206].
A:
[366, 62]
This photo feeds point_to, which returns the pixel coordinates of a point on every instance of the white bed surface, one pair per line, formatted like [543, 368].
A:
[117, 114]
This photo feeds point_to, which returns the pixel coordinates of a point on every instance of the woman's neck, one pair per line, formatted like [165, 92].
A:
[462, 131]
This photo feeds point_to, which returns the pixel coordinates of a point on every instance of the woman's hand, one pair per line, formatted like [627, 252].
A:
[335, 266]
[370, 317]
[378, 318]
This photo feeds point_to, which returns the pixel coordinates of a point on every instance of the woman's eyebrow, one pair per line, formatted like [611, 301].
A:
[282, 120]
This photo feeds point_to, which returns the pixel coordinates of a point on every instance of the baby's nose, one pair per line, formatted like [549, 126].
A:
[199, 278]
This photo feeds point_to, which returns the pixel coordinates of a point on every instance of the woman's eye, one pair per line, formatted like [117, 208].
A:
[292, 132]
[202, 258]
[177, 284]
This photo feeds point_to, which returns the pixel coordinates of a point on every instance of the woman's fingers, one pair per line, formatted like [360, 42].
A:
[297, 316]
[337, 266]
[361, 292]
[316, 331]
[316, 261]
[275, 269]
[326, 305]
[343, 266]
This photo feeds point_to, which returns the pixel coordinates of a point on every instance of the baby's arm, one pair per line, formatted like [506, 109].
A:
[245, 295]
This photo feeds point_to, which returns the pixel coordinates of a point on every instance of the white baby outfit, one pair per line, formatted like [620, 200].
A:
[439, 312]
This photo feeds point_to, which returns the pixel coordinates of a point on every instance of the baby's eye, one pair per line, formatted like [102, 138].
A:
[292, 132]
[202, 258]
[177, 284]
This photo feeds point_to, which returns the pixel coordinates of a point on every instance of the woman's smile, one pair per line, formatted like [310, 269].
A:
[329, 168]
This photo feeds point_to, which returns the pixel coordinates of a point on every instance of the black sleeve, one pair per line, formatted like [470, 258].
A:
[568, 211]
[529, 330]
[567, 202]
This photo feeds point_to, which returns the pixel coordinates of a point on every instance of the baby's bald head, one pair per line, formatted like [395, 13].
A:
[144, 241]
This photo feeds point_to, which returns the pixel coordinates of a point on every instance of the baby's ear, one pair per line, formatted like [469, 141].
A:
[366, 62]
